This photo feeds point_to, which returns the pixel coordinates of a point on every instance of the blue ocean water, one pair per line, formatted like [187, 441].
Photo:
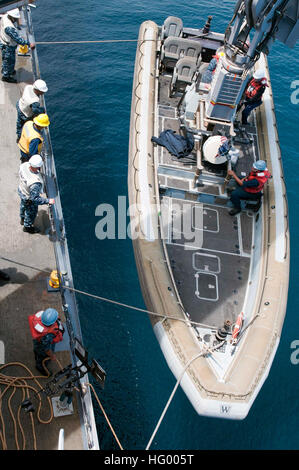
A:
[89, 102]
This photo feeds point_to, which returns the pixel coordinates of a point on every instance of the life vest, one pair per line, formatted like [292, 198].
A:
[38, 329]
[5, 39]
[27, 179]
[27, 99]
[262, 178]
[28, 134]
[217, 59]
[254, 87]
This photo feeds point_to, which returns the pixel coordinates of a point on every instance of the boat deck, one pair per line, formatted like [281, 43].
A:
[28, 260]
[211, 272]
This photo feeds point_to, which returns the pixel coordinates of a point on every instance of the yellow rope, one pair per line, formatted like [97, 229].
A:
[14, 383]
[21, 383]
[105, 415]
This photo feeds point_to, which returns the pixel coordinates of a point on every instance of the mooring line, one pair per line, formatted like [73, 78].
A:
[102, 41]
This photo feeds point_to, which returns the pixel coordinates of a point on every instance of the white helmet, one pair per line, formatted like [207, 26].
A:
[15, 13]
[36, 161]
[259, 74]
[40, 85]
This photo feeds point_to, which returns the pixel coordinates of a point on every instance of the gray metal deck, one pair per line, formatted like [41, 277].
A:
[26, 293]
[212, 277]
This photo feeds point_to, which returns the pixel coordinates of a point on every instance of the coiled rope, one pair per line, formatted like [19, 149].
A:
[14, 383]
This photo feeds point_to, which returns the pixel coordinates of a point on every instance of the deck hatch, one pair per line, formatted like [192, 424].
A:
[206, 263]
[209, 217]
[206, 286]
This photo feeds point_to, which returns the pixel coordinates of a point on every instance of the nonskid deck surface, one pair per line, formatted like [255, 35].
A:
[212, 276]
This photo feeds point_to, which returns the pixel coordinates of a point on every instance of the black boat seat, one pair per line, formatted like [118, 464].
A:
[183, 74]
[175, 48]
[172, 26]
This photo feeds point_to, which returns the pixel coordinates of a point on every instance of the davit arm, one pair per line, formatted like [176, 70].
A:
[255, 25]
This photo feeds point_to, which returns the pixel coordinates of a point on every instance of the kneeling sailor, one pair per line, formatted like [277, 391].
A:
[250, 187]
[46, 330]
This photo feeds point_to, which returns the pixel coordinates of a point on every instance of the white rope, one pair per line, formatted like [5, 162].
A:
[202, 353]
[103, 41]
[164, 315]
[93, 42]
[170, 399]
[115, 302]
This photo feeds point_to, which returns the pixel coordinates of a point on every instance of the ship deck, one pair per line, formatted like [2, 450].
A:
[28, 260]
[212, 272]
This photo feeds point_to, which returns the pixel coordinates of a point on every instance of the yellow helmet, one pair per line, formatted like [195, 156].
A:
[42, 120]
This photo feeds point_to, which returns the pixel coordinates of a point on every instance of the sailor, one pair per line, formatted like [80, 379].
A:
[30, 188]
[46, 331]
[31, 140]
[10, 38]
[4, 276]
[250, 187]
[28, 105]
[208, 74]
[253, 94]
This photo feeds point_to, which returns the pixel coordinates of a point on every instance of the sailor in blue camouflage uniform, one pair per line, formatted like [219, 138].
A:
[32, 136]
[30, 188]
[29, 105]
[10, 38]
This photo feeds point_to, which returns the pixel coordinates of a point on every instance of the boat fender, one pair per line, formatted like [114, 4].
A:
[237, 328]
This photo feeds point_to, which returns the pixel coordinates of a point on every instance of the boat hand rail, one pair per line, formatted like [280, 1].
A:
[159, 216]
[284, 190]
